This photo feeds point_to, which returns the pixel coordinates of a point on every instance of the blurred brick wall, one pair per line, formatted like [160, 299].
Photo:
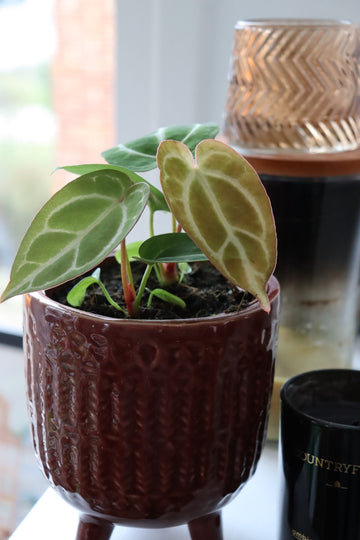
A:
[84, 80]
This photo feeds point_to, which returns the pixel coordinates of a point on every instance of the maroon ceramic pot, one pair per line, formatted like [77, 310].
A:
[148, 423]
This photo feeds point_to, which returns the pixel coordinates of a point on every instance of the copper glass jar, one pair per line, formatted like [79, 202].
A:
[293, 110]
[294, 86]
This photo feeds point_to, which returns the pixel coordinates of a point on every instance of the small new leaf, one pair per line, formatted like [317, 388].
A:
[165, 296]
[132, 251]
[76, 295]
[184, 268]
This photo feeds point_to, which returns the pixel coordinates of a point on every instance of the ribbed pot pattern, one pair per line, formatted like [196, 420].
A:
[140, 422]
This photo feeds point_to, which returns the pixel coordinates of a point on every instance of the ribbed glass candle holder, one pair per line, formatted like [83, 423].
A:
[294, 87]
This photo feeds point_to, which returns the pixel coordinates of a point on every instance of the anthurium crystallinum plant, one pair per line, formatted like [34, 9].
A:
[138, 421]
[218, 201]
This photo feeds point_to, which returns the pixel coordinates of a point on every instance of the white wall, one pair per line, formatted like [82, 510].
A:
[173, 55]
[173, 58]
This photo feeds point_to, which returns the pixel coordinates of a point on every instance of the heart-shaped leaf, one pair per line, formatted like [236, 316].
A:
[76, 229]
[140, 155]
[156, 199]
[222, 205]
[168, 248]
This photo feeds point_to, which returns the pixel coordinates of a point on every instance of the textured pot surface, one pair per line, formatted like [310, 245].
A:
[148, 423]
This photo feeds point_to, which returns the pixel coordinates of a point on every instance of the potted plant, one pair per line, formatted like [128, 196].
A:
[138, 420]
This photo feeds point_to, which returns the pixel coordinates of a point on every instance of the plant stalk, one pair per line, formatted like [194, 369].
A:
[142, 287]
[129, 294]
[151, 224]
[109, 299]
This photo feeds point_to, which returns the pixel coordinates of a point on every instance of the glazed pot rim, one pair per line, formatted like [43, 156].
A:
[273, 289]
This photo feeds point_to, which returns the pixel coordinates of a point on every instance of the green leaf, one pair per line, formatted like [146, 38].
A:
[171, 247]
[132, 251]
[156, 200]
[76, 295]
[165, 296]
[140, 155]
[222, 205]
[76, 229]
[184, 268]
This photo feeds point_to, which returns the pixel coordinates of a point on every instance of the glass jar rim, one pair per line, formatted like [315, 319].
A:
[298, 385]
[298, 23]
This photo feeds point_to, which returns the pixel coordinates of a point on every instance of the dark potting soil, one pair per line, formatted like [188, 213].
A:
[205, 291]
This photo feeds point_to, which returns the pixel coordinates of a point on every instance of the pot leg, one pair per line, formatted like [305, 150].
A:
[91, 528]
[208, 527]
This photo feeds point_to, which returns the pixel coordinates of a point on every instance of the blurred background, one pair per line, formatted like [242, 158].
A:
[77, 77]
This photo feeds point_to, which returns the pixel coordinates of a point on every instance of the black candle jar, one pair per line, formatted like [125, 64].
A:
[320, 446]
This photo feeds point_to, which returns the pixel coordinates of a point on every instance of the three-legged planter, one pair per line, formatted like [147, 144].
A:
[203, 528]
[148, 423]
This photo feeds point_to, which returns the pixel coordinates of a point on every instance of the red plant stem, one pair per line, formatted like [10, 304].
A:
[169, 273]
[128, 291]
[130, 276]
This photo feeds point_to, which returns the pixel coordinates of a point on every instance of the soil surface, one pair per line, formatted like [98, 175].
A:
[205, 291]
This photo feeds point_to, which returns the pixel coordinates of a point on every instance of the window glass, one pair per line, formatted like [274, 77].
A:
[57, 74]
[27, 139]
[27, 128]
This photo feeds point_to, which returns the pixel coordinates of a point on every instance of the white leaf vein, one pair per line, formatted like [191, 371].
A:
[217, 208]
[73, 245]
